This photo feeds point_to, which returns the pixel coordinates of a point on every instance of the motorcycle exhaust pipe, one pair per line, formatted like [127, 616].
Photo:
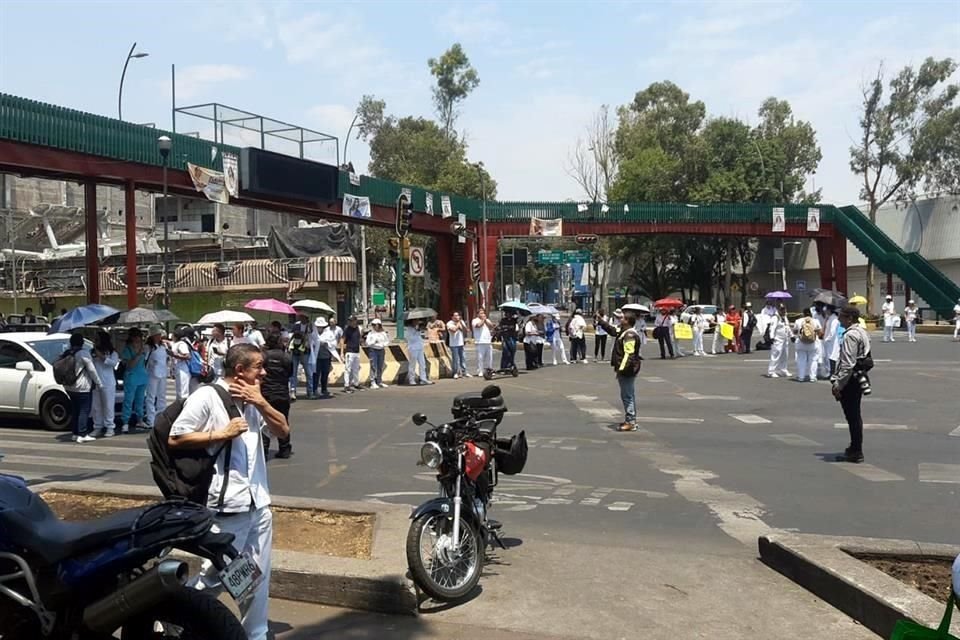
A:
[149, 590]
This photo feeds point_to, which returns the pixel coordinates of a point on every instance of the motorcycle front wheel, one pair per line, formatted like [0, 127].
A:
[186, 615]
[443, 570]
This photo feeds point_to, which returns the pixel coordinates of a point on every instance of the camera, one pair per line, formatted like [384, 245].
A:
[864, 382]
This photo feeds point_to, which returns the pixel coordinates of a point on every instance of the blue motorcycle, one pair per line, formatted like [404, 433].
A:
[90, 580]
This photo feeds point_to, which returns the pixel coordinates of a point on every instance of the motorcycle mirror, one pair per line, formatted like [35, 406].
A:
[490, 391]
[419, 419]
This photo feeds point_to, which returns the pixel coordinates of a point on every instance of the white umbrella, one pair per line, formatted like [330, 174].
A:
[637, 308]
[312, 305]
[225, 317]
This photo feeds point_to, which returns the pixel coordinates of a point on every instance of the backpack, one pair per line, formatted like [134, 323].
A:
[198, 368]
[186, 474]
[65, 368]
[808, 331]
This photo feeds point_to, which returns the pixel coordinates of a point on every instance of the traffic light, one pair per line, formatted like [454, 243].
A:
[404, 215]
[397, 245]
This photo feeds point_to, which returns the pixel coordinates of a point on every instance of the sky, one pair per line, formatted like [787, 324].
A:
[545, 67]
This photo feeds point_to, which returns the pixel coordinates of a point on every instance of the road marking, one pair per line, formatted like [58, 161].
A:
[590, 502]
[795, 440]
[669, 420]
[601, 412]
[568, 448]
[869, 472]
[691, 395]
[513, 413]
[749, 418]
[72, 463]
[47, 435]
[619, 506]
[934, 472]
[891, 400]
[579, 398]
[653, 379]
[956, 432]
[546, 446]
[339, 410]
[556, 501]
[74, 448]
[876, 426]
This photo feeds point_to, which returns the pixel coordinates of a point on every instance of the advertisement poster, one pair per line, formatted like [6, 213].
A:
[231, 174]
[779, 220]
[546, 228]
[445, 207]
[813, 219]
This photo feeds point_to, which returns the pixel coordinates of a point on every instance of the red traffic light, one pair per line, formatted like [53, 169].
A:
[586, 239]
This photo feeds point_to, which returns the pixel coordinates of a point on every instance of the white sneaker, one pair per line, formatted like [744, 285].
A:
[456, 376]
[772, 375]
[467, 375]
[109, 433]
[374, 385]
[125, 429]
[82, 439]
[383, 385]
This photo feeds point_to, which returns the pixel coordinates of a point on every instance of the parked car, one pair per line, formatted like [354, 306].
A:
[17, 323]
[709, 312]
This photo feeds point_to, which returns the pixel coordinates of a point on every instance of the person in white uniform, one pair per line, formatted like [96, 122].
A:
[181, 352]
[483, 339]
[415, 346]
[910, 312]
[831, 341]
[956, 321]
[233, 434]
[889, 310]
[217, 349]
[822, 368]
[780, 333]
[808, 331]
[557, 346]
[719, 319]
[700, 324]
[105, 360]
[158, 370]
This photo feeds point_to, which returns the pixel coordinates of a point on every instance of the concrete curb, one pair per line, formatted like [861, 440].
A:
[378, 584]
[824, 566]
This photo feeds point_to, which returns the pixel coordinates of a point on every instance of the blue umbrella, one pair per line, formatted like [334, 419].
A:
[81, 317]
[515, 305]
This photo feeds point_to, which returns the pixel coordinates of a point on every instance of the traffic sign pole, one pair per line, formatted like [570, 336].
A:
[399, 312]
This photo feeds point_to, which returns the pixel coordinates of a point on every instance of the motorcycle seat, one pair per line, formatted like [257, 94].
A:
[34, 527]
[474, 400]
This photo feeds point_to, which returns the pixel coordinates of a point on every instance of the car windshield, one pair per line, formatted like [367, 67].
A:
[50, 349]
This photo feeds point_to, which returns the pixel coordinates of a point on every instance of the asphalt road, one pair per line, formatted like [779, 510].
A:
[656, 527]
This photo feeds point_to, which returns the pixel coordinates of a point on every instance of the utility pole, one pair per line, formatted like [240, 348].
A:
[363, 272]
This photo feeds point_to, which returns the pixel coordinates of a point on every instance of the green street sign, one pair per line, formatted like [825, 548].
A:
[379, 299]
[576, 257]
[550, 257]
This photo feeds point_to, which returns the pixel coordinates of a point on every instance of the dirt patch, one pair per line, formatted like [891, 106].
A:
[931, 576]
[344, 535]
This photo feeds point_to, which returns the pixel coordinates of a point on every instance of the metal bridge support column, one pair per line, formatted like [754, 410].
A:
[840, 263]
[825, 258]
[93, 251]
[447, 275]
[130, 230]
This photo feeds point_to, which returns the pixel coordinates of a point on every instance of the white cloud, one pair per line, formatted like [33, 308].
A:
[540, 68]
[479, 22]
[197, 79]
[331, 118]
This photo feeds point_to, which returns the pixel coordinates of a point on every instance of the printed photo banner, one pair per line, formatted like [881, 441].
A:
[445, 207]
[231, 173]
[779, 220]
[429, 206]
[209, 182]
[813, 219]
[356, 206]
[548, 228]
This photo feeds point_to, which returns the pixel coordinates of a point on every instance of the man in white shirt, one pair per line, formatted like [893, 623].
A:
[663, 332]
[578, 342]
[418, 360]
[808, 331]
[910, 312]
[457, 329]
[889, 319]
[244, 509]
[483, 338]
[531, 338]
[217, 349]
[158, 369]
[255, 337]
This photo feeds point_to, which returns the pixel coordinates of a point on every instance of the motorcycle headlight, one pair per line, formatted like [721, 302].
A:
[431, 455]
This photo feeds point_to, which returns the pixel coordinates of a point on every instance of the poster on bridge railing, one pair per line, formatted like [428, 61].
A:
[356, 206]
[546, 228]
[445, 207]
[779, 220]
[209, 182]
[813, 219]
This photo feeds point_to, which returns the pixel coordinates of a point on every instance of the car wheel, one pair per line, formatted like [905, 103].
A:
[55, 412]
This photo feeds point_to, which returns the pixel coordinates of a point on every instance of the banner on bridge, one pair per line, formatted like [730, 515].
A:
[356, 206]
[546, 228]
[209, 182]
[231, 173]
[813, 219]
[779, 220]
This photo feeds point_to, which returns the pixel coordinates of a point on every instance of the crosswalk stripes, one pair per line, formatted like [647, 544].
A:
[749, 418]
[876, 426]
[956, 432]
[869, 472]
[71, 463]
[939, 473]
[42, 455]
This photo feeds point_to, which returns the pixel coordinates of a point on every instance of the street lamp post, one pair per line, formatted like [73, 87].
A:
[139, 54]
[164, 143]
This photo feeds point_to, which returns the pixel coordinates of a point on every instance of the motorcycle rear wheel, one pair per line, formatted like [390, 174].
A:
[186, 615]
[450, 576]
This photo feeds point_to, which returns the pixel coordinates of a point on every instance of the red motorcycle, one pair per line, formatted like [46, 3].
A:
[449, 534]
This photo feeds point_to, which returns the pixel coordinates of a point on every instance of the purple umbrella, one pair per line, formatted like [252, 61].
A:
[778, 295]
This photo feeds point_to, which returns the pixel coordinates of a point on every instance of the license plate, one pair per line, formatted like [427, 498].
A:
[241, 576]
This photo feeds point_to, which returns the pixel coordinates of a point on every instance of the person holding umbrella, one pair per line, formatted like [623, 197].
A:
[662, 330]
[158, 369]
[780, 332]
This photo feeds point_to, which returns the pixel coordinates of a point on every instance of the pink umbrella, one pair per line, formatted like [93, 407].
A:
[269, 305]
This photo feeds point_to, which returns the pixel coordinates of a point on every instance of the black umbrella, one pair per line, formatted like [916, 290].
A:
[420, 313]
[831, 298]
[141, 315]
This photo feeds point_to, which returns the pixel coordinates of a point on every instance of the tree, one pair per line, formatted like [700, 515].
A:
[909, 138]
[456, 78]
[594, 160]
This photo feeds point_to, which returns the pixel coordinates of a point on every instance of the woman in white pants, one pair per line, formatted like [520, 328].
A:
[911, 312]
[719, 320]
[158, 370]
[781, 334]
[557, 346]
[700, 325]
[105, 360]
[415, 346]
[956, 321]
[808, 331]
[483, 339]
[889, 319]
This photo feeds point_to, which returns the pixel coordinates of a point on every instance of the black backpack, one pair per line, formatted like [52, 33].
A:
[65, 368]
[187, 473]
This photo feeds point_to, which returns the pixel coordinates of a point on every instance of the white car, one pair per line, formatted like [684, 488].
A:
[27, 387]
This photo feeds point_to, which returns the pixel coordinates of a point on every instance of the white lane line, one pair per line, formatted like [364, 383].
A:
[619, 506]
[556, 501]
[653, 379]
[73, 463]
[579, 398]
[513, 413]
[601, 412]
[669, 420]
[568, 448]
[339, 410]
[26, 433]
[74, 448]
[876, 426]
[690, 395]
[869, 472]
[795, 440]
[590, 502]
[934, 472]
[749, 418]
[956, 432]
[890, 400]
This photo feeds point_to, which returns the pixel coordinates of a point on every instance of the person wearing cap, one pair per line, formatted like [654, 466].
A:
[910, 312]
[626, 360]
[158, 370]
[350, 354]
[327, 343]
[377, 342]
[889, 310]
[748, 322]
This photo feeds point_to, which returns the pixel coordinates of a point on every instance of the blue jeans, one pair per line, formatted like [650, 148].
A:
[134, 395]
[628, 395]
[80, 404]
[459, 361]
[377, 358]
[310, 370]
[323, 373]
[296, 369]
[508, 353]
